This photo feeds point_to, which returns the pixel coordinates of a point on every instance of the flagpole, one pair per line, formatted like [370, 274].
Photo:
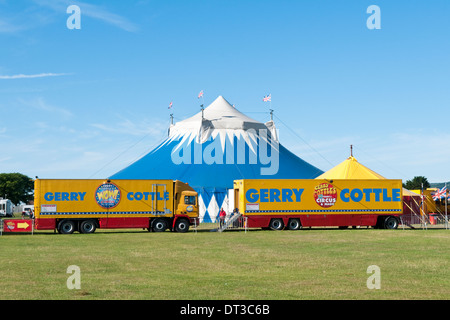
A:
[200, 95]
[424, 217]
[446, 200]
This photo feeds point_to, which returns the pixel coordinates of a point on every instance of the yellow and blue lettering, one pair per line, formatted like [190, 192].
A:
[147, 196]
[356, 195]
[252, 195]
[273, 195]
[64, 196]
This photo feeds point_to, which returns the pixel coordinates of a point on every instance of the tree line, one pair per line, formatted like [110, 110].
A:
[16, 187]
[417, 183]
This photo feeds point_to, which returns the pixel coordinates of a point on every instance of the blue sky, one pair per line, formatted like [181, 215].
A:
[86, 103]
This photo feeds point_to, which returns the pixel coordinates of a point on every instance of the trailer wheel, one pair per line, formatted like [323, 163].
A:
[182, 225]
[276, 224]
[159, 225]
[88, 226]
[66, 227]
[391, 223]
[294, 224]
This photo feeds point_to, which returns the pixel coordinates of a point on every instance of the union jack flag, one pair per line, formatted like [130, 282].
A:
[267, 98]
[170, 105]
[440, 193]
[200, 94]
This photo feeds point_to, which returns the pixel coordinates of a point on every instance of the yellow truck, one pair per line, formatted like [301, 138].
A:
[84, 205]
[293, 204]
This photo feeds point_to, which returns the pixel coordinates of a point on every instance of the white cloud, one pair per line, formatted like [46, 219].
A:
[8, 27]
[129, 127]
[30, 76]
[25, 18]
[92, 11]
[40, 104]
[33, 17]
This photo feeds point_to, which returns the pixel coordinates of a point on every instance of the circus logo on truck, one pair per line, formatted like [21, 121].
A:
[325, 195]
[107, 195]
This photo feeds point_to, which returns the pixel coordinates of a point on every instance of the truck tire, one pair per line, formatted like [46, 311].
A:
[66, 227]
[159, 225]
[276, 224]
[294, 224]
[88, 226]
[390, 223]
[182, 225]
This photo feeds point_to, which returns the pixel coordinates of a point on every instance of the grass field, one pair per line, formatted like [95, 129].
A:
[279, 265]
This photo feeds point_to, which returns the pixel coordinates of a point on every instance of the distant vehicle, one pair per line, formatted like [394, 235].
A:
[28, 211]
[6, 208]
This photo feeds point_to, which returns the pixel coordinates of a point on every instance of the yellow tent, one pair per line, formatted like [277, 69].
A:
[350, 169]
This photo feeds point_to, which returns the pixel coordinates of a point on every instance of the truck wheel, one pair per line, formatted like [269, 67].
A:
[182, 225]
[88, 226]
[159, 225]
[66, 227]
[391, 223]
[276, 224]
[294, 224]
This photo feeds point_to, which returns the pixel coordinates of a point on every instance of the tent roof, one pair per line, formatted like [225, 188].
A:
[218, 115]
[222, 128]
[350, 169]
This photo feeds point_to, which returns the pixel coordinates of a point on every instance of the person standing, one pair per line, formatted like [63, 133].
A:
[222, 215]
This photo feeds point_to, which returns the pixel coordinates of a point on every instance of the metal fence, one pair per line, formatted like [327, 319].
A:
[424, 221]
[235, 222]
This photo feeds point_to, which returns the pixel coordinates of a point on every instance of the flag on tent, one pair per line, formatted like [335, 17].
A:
[170, 105]
[267, 98]
[440, 193]
[200, 94]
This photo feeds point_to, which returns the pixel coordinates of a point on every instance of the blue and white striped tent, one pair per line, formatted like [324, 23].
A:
[215, 147]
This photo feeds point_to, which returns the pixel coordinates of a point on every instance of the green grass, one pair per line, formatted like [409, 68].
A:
[305, 264]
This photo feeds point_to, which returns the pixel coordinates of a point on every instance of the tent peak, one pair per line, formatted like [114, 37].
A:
[350, 169]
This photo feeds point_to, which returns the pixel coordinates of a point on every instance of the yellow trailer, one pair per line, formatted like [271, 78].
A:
[86, 204]
[293, 204]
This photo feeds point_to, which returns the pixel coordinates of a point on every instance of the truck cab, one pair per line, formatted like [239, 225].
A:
[186, 202]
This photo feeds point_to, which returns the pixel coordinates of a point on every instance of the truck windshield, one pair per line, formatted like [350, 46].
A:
[189, 200]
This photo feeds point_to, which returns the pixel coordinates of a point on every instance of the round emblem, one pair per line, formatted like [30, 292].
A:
[107, 195]
[325, 195]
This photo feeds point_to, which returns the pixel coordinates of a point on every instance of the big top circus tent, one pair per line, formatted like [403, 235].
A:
[214, 147]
